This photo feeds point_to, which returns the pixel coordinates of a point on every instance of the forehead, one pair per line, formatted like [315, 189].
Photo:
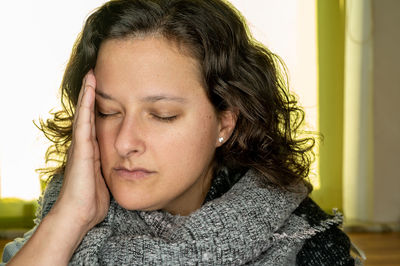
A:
[150, 63]
[148, 48]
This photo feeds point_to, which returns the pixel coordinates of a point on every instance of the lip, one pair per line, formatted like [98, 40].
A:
[133, 174]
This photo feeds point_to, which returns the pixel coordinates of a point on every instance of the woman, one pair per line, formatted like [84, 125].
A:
[182, 149]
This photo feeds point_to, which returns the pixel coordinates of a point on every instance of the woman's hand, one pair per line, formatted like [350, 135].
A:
[84, 196]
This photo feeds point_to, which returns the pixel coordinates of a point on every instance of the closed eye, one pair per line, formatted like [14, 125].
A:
[104, 115]
[165, 118]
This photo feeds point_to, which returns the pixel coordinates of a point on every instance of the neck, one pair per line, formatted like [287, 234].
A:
[193, 198]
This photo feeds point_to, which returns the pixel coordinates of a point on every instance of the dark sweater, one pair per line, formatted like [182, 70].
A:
[330, 247]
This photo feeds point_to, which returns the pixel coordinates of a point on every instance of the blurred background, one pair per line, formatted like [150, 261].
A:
[343, 62]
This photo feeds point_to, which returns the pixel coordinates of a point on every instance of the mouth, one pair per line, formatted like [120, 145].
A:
[133, 174]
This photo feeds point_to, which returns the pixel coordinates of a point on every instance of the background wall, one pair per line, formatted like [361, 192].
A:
[359, 90]
[330, 30]
[371, 161]
[35, 49]
[35, 42]
[386, 18]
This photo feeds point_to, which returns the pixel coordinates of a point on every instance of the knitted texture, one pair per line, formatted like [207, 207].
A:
[251, 223]
[329, 247]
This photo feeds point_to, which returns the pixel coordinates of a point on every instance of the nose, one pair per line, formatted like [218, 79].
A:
[129, 140]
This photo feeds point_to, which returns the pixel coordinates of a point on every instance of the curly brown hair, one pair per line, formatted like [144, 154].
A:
[239, 74]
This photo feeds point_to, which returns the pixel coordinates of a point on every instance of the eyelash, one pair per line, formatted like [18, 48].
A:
[167, 119]
[102, 115]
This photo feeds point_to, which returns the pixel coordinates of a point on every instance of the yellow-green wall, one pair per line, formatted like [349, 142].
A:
[16, 213]
[330, 56]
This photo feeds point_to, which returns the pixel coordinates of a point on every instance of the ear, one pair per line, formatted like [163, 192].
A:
[227, 123]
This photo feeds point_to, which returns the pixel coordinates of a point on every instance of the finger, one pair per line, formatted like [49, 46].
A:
[88, 80]
[95, 143]
[80, 98]
[94, 137]
[81, 92]
[84, 119]
[91, 82]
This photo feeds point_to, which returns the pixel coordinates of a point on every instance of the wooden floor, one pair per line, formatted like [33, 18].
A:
[380, 248]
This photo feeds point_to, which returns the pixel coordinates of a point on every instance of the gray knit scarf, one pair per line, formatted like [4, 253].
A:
[252, 223]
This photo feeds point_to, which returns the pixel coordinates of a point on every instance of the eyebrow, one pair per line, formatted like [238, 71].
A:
[156, 98]
[151, 98]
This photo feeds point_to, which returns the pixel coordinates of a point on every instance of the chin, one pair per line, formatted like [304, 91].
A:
[135, 203]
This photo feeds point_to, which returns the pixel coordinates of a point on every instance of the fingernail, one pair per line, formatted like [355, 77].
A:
[90, 79]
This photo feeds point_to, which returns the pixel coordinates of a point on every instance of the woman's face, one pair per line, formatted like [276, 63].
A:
[157, 131]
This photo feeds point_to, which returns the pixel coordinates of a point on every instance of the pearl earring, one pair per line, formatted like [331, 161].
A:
[221, 139]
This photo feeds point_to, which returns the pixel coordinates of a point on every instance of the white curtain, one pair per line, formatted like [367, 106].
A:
[358, 114]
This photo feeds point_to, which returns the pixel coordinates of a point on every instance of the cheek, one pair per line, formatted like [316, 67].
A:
[105, 140]
[192, 146]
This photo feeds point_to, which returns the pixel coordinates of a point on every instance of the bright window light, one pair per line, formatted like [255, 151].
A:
[288, 29]
[35, 47]
[37, 38]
